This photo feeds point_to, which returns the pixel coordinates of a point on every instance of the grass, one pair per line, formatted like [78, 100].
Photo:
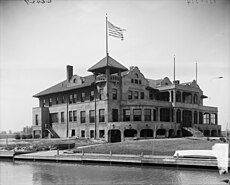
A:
[166, 147]
[43, 144]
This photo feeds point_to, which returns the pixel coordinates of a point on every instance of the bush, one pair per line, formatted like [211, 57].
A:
[17, 136]
[23, 136]
[29, 136]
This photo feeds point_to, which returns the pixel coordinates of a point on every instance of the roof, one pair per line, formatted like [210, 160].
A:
[62, 87]
[154, 83]
[102, 64]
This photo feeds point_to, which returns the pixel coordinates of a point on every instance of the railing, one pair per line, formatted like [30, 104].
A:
[51, 131]
[102, 78]
[114, 78]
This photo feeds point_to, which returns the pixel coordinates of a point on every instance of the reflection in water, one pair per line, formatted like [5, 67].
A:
[40, 173]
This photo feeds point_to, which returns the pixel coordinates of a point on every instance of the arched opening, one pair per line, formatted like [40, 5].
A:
[206, 133]
[161, 133]
[214, 133]
[146, 133]
[130, 133]
[178, 116]
[178, 133]
[114, 136]
[171, 133]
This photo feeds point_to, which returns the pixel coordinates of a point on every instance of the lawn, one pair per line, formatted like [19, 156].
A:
[148, 147]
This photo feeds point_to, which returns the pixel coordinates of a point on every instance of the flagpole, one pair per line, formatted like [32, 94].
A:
[106, 39]
[174, 70]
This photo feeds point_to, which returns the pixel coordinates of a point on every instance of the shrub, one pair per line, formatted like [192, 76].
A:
[29, 136]
[17, 136]
[23, 136]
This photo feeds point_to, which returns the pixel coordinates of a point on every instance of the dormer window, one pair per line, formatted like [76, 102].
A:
[74, 80]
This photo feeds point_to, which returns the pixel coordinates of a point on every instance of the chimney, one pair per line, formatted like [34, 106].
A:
[69, 72]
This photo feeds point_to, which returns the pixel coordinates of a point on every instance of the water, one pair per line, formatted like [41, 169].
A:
[41, 173]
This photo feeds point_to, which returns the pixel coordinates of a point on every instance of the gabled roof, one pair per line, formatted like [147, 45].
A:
[154, 83]
[102, 64]
[62, 87]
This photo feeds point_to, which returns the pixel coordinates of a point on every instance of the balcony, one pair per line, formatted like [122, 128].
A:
[100, 78]
[112, 78]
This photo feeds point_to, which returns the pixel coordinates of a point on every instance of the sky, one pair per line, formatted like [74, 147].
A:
[38, 40]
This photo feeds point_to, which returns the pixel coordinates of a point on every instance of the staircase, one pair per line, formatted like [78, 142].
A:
[51, 131]
[193, 132]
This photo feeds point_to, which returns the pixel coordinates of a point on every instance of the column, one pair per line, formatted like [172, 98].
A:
[158, 114]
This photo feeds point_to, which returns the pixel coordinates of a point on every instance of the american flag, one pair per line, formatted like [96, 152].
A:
[115, 31]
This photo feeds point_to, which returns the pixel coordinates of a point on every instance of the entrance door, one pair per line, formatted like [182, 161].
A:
[114, 136]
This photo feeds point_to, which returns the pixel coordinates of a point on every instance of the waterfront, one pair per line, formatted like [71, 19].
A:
[43, 173]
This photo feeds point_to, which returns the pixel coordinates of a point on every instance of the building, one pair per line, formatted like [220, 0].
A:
[116, 103]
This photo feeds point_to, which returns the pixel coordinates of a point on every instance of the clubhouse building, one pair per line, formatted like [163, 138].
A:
[116, 104]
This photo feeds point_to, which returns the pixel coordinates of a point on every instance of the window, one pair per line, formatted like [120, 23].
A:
[101, 133]
[136, 75]
[101, 115]
[63, 99]
[100, 93]
[82, 133]
[82, 116]
[126, 115]
[154, 114]
[71, 99]
[136, 94]
[74, 98]
[74, 115]
[91, 116]
[43, 103]
[142, 95]
[91, 95]
[130, 95]
[62, 117]
[70, 116]
[114, 94]
[82, 97]
[147, 114]
[36, 119]
[139, 81]
[73, 132]
[91, 133]
[165, 114]
[54, 118]
[136, 81]
[195, 99]
[213, 119]
[56, 100]
[132, 81]
[50, 102]
[136, 114]
[206, 118]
